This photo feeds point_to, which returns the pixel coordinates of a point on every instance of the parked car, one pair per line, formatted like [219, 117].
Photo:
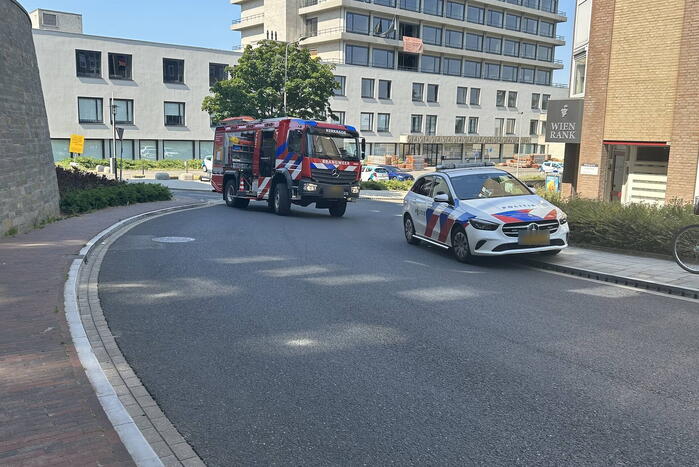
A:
[374, 173]
[482, 211]
[551, 167]
[207, 163]
[394, 173]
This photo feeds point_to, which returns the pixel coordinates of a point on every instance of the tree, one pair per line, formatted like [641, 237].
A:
[256, 85]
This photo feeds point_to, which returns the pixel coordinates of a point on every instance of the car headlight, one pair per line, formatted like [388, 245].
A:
[563, 220]
[310, 187]
[355, 189]
[483, 225]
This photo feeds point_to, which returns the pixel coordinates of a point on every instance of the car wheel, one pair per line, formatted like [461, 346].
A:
[282, 201]
[338, 209]
[459, 245]
[409, 231]
[229, 192]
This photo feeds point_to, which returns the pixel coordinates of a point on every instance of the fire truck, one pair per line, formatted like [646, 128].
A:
[286, 161]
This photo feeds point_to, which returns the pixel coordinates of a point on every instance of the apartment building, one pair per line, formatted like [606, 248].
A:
[153, 91]
[477, 86]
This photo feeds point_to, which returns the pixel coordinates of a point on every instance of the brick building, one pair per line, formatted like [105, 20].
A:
[635, 63]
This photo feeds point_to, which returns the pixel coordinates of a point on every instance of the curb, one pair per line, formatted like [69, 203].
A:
[130, 434]
[616, 279]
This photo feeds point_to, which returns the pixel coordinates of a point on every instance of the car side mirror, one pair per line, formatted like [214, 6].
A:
[363, 148]
[442, 198]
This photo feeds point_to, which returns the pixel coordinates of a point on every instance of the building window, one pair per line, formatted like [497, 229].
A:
[49, 19]
[383, 122]
[475, 14]
[545, 101]
[472, 125]
[452, 66]
[366, 121]
[461, 95]
[493, 45]
[533, 127]
[311, 27]
[368, 88]
[512, 99]
[460, 125]
[474, 42]
[431, 125]
[408, 29]
[119, 66]
[88, 63]
[217, 72]
[90, 110]
[416, 123]
[432, 7]
[432, 92]
[430, 64]
[432, 35]
[500, 98]
[509, 73]
[543, 128]
[381, 58]
[412, 5]
[530, 25]
[384, 89]
[548, 5]
[511, 48]
[579, 70]
[390, 3]
[495, 18]
[123, 148]
[173, 71]
[526, 75]
[358, 24]
[174, 114]
[382, 26]
[543, 77]
[148, 149]
[475, 96]
[535, 100]
[472, 69]
[546, 29]
[512, 22]
[337, 117]
[499, 126]
[356, 55]
[340, 88]
[182, 150]
[510, 126]
[454, 39]
[531, 3]
[491, 71]
[455, 10]
[124, 111]
[407, 61]
[528, 50]
[418, 90]
[545, 53]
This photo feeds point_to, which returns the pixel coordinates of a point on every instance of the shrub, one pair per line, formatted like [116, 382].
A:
[79, 201]
[128, 164]
[76, 179]
[387, 185]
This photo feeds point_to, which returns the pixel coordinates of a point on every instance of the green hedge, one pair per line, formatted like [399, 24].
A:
[79, 201]
[634, 227]
[128, 164]
[387, 185]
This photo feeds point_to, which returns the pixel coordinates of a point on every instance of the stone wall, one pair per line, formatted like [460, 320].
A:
[28, 189]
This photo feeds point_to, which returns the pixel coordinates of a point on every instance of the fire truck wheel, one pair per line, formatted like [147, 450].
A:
[282, 201]
[338, 209]
[229, 192]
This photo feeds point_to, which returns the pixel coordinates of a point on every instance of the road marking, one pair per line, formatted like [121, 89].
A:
[173, 239]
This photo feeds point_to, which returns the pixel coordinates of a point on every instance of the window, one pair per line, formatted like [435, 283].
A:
[460, 125]
[452, 66]
[173, 71]
[174, 114]
[418, 90]
[432, 35]
[454, 39]
[512, 99]
[356, 55]
[579, 70]
[382, 26]
[357, 23]
[90, 110]
[430, 64]
[491, 71]
[408, 29]
[473, 125]
[530, 25]
[381, 58]
[455, 10]
[461, 95]
[412, 5]
[499, 124]
[423, 186]
[88, 63]
[474, 42]
[545, 101]
[366, 121]
[339, 117]
[543, 128]
[217, 72]
[545, 53]
[206, 149]
[493, 45]
[543, 77]
[472, 69]
[475, 96]
[510, 126]
[368, 88]
[119, 66]
[432, 7]
[124, 111]
[340, 89]
[431, 125]
[500, 98]
[441, 188]
[391, 3]
[533, 127]
[178, 150]
[432, 92]
[528, 50]
[383, 122]
[513, 22]
[148, 149]
[384, 89]
[475, 14]
[548, 5]
[511, 48]
[416, 123]
[126, 146]
[495, 18]
[546, 29]
[535, 101]
[311, 27]
[49, 19]
[526, 75]
[509, 73]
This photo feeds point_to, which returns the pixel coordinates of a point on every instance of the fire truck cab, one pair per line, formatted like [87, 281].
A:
[287, 161]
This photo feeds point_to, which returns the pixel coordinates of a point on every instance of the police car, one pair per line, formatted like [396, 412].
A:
[481, 211]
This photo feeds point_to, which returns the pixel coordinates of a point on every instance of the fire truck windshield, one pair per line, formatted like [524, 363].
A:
[329, 145]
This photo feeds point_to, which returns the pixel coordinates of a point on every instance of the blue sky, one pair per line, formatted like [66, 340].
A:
[204, 23]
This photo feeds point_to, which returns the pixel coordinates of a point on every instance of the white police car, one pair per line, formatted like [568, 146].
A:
[481, 211]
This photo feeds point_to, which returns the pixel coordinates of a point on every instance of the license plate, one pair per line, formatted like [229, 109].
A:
[534, 238]
[334, 192]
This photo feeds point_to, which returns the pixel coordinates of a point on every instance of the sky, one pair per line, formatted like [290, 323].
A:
[203, 23]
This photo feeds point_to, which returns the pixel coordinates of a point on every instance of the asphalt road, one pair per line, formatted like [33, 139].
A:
[311, 340]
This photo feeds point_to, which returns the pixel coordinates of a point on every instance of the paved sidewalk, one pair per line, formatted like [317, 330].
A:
[49, 414]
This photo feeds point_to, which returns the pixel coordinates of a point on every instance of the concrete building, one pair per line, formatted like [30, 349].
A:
[478, 87]
[157, 90]
[635, 63]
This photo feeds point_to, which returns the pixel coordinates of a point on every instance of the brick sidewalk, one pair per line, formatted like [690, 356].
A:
[49, 414]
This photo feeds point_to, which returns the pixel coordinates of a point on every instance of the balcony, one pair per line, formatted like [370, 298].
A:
[247, 22]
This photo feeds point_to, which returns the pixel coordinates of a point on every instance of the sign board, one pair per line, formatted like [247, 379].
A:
[564, 121]
[120, 133]
[433, 139]
[553, 182]
[77, 144]
[589, 169]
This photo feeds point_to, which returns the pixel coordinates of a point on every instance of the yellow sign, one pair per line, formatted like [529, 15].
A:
[77, 144]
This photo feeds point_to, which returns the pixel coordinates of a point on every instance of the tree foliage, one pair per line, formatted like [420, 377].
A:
[256, 85]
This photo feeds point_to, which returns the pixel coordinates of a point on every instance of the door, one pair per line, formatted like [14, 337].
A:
[267, 148]
[437, 214]
[418, 203]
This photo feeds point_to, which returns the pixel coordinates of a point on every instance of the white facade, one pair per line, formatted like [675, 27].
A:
[581, 37]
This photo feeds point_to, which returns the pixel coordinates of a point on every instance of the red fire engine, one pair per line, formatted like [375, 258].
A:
[287, 161]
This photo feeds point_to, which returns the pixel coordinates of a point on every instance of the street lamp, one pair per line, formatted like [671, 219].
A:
[286, 65]
[112, 165]
[519, 146]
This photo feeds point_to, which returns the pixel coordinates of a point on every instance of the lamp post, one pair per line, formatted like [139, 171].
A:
[114, 112]
[286, 65]
[519, 146]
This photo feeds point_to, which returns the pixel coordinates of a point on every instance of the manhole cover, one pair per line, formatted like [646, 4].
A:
[173, 239]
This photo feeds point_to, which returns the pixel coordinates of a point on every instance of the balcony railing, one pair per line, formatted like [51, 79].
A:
[248, 18]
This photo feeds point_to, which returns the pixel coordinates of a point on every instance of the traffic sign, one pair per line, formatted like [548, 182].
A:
[77, 144]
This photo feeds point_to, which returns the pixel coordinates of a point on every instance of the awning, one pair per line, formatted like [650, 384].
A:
[637, 143]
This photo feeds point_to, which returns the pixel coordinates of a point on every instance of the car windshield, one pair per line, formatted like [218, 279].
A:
[380, 170]
[336, 145]
[488, 185]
